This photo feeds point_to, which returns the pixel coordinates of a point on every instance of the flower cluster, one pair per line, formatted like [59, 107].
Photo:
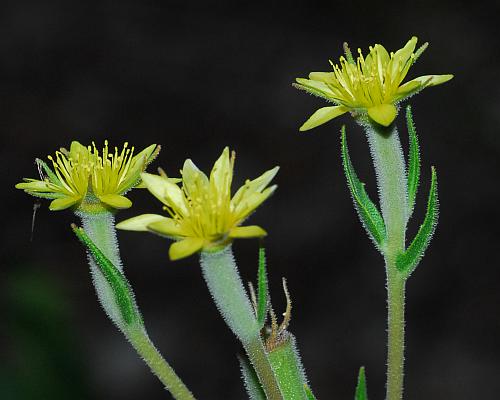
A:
[203, 214]
[371, 85]
[86, 179]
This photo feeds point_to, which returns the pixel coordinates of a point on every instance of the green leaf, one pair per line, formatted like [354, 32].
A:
[262, 290]
[252, 384]
[122, 291]
[361, 393]
[413, 161]
[368, 213]
[407, 262]
[309, 393]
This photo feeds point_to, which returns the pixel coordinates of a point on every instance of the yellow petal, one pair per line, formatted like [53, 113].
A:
[323, 115]
[417, 84]
[405, 53]
[408, 89]
[250, 203]
[167, 227]
[139, 223]
[192, 178]
[164, 190]
[137, 165]
[244, 232]
[222, 173]
[256, 185]
[63, 203]
[383, 114]
[432, 80]
[34, 186]
[321, 76]
[145, 154]
[78, 149]
[317, 88]
[115, 201]
[185, 248]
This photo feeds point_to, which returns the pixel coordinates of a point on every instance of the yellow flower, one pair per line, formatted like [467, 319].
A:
[370, 85]
[203, 215]
[88, 180]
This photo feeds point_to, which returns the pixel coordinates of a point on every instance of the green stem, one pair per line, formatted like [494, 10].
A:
[396, 336]
[165, 373]
[225, 286]
[101, 230]
[390, 169]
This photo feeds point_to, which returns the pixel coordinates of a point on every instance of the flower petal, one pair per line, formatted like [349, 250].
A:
[383, 114]
[314, 87]
[244, 232]
[34, 186]
[432, 80]
[405, 53]
[256, 185]
[167, 227]
[417, 84]
[140, 222]
[221, 175]
[115, 201]
[78, 151]
[192, 178]
[185, 248]
[63, 203]
[321, 76]
[250, 203]
[167, 192]
[408, 89]
[322, 116]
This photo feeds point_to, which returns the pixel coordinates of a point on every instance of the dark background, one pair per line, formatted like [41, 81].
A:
[195, 79]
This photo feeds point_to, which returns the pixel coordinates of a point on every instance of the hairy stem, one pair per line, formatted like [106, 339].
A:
[390, 169]
[100, 228]
[162, 369]
[225, 286]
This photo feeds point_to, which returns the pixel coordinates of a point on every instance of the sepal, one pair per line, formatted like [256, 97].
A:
[122, 308]
[413, 161]
[361, 393]
[407, 261]
[368, 213]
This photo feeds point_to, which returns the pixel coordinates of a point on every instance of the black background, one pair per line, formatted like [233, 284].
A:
[195, 79]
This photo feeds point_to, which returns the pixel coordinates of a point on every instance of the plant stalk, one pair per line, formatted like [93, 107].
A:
[225, 286]
[100, 227]
[390, 170]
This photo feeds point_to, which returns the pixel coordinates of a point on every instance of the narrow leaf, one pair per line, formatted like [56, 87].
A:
[262, 290]
[368, 213]
[122, 291]
[252, 384]
[413, 161]
[309, 393]
[408, 261]
[361, 393]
